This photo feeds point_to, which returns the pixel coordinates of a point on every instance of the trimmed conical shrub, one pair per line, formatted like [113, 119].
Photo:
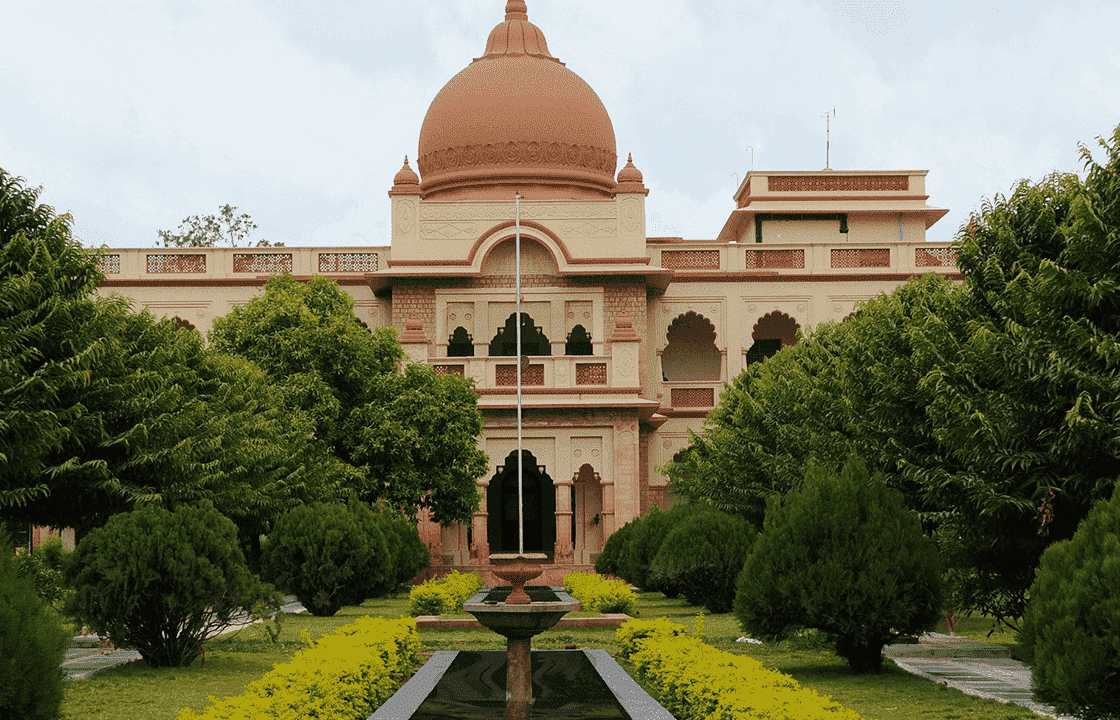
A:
[32, 645]
[844, 555]
[1071, 629]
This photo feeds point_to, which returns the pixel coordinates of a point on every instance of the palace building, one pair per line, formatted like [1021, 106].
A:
[630, 338]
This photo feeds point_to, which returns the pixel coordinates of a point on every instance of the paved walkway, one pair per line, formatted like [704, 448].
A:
[981, 669]
[87, 654]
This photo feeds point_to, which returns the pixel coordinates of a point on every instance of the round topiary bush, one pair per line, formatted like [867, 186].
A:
[610, 558]
[1071, 628]
[32, 647]
[328, 555]
[702, 556]
[162, 582]
[844, 555]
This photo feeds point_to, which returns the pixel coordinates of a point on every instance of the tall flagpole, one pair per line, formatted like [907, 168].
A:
[520, 465]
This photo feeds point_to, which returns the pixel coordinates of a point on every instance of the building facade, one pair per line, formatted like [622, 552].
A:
[629, 338]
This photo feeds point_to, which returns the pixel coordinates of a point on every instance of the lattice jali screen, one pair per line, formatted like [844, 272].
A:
[690, 259]
[506, 375]
[109, 264]
[459, 370]
[836, 183]
[693, 397]
[347, 262]
[264, 263]
[176, 263]
[775, 259]
[935, 257]
[591, 373]
[861, 258]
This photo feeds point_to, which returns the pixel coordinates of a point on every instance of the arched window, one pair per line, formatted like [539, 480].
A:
[579, 342]
[460, 344]
[692, 353]
[533, 341]
[772, 332]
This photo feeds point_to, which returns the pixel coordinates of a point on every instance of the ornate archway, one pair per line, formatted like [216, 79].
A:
[691, 353]
[771, 333]
[539, 502]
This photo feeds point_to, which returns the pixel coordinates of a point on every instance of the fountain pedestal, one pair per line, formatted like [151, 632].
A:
[518, 618]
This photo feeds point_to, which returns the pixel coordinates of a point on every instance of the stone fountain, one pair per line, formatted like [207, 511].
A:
[519, 619]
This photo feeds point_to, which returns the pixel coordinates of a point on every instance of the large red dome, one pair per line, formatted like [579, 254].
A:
[516, 118]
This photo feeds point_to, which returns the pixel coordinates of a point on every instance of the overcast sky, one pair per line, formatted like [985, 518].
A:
[134, 115]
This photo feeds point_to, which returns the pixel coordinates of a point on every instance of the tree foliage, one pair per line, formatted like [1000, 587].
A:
[49, 341]
[412, 434]
[842, 554]
[225, 228]
[1071, 631]
[163, 582]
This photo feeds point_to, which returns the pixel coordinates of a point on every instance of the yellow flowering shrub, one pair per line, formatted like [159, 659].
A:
[443, 595]
[698, 682]
[598, 594]
[344, 676]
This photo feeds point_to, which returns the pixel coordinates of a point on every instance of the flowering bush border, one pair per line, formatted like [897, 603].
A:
[443, 595]
[698, 682]
[598, 594]
[344, 676]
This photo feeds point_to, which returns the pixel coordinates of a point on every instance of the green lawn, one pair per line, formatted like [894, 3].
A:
[137, 692]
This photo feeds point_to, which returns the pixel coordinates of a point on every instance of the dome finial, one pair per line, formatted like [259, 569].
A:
[516, 10]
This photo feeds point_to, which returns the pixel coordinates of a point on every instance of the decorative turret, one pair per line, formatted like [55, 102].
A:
[406, 181]
[630, 178]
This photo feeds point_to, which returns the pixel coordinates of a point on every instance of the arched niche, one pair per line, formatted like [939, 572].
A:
[539, 503]
[536, 259]
[691, 353]
[579, 342]
[460, 344]
[533, 339]
[771, 333]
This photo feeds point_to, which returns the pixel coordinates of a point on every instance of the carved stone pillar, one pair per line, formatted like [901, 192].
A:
[480, 547]
[564, 554]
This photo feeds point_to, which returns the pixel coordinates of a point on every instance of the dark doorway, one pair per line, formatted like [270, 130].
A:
[579, 342]
[460, 344]
[539, 497]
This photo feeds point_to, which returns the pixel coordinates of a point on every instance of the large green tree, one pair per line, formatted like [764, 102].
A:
[411, 433]
[50, 341]
[101, 407]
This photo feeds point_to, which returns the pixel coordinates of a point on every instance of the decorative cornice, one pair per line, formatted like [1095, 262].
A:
[823, 277]
[525, 153]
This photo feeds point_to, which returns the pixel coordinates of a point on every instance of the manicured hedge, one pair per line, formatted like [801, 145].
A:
[696, 681]
[443, 595]
[598, 594]
[343, 676]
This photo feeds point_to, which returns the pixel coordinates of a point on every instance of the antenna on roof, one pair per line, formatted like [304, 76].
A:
[827, 139]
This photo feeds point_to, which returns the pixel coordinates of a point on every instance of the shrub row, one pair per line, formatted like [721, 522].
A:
[445, 595]
[598, 594]
[696, 681]
[344, 676]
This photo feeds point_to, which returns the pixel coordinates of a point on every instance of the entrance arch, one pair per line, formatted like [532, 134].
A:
[539, 496]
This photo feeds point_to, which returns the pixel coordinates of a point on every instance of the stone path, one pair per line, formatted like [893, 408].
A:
[981, 669]
[87, 654]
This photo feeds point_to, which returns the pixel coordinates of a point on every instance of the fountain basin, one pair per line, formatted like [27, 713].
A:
[522, 620]
[569, 685]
